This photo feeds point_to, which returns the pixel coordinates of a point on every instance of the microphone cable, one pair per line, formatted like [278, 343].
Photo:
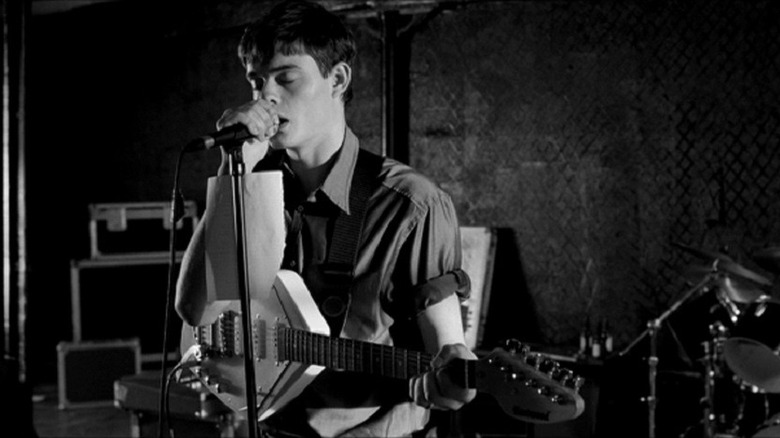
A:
[177, 213]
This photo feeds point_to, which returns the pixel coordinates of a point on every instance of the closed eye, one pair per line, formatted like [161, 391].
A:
[286, 77]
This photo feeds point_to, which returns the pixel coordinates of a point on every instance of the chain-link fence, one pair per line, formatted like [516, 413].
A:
[603, 134]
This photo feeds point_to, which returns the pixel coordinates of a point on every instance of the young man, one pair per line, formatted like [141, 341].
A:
[406, 283]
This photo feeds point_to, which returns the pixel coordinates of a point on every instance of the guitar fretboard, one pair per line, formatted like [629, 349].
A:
[350, 355]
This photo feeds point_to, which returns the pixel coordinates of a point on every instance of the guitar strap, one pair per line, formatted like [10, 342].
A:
[348, 228]
[339, 266]
[338, 269]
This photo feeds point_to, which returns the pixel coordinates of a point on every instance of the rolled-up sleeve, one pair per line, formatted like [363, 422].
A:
[428, 269]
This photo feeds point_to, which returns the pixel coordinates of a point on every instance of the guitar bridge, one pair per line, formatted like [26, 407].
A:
[230, 334]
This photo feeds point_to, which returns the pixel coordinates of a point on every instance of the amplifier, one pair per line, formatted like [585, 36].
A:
[86, 371]
[141, 229]
[123, 299]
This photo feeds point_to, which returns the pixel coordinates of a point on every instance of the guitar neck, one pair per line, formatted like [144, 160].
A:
[359, 356]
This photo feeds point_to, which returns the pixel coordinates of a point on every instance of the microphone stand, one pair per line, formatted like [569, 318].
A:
[652, 361]
[237, 170]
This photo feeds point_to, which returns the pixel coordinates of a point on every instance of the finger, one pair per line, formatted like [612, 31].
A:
[258, 116]
[263, 118]
[442, 390]
[417, 391]
[433, 393]
[444, 355]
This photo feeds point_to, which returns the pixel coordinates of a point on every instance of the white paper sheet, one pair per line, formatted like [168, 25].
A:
[263, 203]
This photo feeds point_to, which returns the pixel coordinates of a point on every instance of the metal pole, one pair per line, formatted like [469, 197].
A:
[652, 366]
[17, 400]
[389, 37]
[14, 188]
[652, 361]
[237, 178]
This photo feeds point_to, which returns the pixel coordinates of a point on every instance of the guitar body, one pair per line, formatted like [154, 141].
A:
[221, 366]
[291, 346]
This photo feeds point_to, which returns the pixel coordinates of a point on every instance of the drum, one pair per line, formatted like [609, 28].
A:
[771, 429]
[754, 363]
[760, 321]
[751, 353]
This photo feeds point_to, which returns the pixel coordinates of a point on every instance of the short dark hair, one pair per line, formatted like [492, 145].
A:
[297, 27]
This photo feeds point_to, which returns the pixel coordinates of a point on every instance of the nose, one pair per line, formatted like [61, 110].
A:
[268, 92]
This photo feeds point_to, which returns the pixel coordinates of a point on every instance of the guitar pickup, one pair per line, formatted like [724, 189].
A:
[259, 338]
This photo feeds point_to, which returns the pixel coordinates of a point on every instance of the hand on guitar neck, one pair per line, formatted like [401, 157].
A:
[435, 388]
[528, 386]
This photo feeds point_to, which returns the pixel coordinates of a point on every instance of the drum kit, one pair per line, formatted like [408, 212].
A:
[737, 352]
[741, 354]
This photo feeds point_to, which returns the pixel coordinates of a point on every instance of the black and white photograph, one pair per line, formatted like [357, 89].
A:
[390, 218]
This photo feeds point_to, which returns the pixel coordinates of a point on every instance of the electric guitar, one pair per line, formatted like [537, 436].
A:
[292, 345]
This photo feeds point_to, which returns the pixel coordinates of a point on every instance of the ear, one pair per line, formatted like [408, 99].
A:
[341, 76]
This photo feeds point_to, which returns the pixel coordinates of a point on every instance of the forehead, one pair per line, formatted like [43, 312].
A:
[280, 62]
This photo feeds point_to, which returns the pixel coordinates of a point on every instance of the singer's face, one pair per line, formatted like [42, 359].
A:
[304, 100]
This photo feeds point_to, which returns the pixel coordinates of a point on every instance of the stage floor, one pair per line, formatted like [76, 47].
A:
[50, 421]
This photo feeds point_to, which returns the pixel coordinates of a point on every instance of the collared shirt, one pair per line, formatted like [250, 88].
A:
[410, 235]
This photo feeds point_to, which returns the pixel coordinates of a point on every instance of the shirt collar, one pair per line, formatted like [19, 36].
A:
[339, 180]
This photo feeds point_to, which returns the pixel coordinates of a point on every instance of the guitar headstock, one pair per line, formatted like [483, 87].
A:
[530, 386]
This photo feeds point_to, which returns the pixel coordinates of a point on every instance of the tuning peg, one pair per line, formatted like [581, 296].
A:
[575, 383]
[524, 350]
[534, 360]
[548, 366]
[562, 375]
[566, 378]
[514, 346]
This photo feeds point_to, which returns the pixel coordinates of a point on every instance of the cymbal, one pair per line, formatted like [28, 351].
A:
[724, 263]
[753, 362]
[728, 286]
[739, 291]
[768, 258]
[731, 286]
[703, 253]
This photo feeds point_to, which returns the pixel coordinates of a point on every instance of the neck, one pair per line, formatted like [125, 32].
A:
[311, 164]
[310, 177]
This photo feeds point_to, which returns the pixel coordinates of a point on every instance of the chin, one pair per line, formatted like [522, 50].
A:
[278, 141]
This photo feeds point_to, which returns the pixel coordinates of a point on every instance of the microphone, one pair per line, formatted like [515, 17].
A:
[232, 134]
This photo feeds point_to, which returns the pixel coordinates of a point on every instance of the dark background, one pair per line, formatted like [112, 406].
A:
[594, 135]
